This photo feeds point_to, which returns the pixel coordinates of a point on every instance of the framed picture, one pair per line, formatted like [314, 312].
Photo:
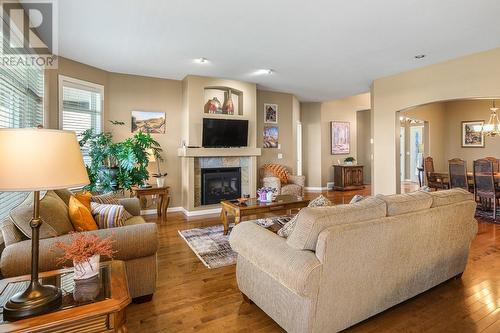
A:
[148, 122]
[271, 113]
[472, 134]
[270, 137]
[340, 137]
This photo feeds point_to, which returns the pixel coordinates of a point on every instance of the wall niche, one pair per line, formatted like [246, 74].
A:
[223, 101]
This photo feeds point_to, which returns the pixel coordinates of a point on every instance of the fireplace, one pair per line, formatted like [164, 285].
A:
[220, 184]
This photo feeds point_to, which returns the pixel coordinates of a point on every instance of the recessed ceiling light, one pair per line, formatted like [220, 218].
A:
[201, 60]
[264, 71]
[420, 56]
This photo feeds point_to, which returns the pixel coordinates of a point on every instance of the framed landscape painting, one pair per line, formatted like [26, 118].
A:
[340, 137]
[148, 122]
[271, 113]
[472, 134]
[270, 137]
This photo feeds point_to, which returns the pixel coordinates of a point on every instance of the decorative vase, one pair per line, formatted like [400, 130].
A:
[87, 269]
[269, 196]
[228, 107]
[86, 290]
[213, 106]
[160, 181]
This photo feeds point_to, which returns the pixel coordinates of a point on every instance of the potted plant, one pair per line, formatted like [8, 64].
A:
[349, 160]
[85, 251]
[117, 165]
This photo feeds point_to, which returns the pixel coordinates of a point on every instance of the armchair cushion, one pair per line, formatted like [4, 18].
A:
[292, 189]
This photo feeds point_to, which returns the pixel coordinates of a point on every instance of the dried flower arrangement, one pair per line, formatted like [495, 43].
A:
[83, 246]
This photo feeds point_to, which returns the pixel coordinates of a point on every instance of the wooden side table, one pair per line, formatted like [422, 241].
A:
[84, 308]
[163, 197]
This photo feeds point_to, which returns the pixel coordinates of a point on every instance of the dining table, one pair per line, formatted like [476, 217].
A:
[496, 176]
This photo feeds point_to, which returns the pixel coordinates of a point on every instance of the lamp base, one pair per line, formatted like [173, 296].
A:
[35, 300]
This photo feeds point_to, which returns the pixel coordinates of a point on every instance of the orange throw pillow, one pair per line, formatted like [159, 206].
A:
[279, 171]
[80, 216]
[84, 198]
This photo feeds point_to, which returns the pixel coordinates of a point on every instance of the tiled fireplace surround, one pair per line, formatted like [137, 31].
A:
[220, 162]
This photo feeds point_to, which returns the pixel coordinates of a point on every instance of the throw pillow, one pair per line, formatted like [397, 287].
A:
[84, 198]
[108, 216]
[53, 212]
[279, 171]
[80, 216]
[356, 198]
[106, 198]
[287, 229]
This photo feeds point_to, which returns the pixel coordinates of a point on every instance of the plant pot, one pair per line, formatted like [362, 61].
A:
[160, 181]
[87, 269]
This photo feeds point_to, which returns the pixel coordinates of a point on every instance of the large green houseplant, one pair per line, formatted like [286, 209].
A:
[118, 165]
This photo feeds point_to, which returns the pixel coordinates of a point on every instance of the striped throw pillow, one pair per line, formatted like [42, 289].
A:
[106, 198]
[109, 216]
[279, 171]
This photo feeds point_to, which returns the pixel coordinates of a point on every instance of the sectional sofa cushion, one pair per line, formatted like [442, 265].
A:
[448, 197]
[398, 204]
[312, 221]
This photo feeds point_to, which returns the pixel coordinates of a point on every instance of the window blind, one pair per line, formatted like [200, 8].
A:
[81, 108]
[21, 105]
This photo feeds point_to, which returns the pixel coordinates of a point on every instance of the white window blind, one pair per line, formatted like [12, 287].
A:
[21, 105]
[80, 107]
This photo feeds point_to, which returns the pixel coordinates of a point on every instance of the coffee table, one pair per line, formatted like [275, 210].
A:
[94, 305]
[253, 206]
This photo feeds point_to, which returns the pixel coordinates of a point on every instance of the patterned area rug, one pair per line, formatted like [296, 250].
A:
[212, 247]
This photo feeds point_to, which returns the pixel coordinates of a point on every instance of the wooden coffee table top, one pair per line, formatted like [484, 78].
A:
[253, 203]
[113, 297]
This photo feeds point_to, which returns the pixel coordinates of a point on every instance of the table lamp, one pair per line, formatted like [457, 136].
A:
[37, 160]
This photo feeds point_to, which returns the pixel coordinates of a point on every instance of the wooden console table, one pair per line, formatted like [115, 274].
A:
[163, 197]
[348, 177]
[97, 305]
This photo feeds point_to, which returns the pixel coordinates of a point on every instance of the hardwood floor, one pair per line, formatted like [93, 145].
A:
[192, 298]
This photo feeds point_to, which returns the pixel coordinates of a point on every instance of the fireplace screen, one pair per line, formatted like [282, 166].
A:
[220, 184]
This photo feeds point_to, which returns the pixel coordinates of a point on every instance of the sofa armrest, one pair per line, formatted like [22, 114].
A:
[298, 180]
[131, 205]
[298, 270]
[130, 242]
[272, 182]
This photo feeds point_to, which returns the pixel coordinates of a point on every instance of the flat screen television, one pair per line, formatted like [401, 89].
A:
[219, 133]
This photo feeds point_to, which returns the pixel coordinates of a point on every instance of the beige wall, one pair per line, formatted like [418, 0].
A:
[341, 110]
[458, 111]
[467, 77]
[287, 118]
[363, 144]
[127, 93]
[310, 115]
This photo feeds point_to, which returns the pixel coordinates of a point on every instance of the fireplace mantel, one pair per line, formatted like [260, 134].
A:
[218, 152]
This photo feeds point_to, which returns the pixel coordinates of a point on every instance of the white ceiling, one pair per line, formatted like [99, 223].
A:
[320, 49]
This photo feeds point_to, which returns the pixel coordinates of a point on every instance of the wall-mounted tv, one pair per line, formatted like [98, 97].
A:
[219, 133]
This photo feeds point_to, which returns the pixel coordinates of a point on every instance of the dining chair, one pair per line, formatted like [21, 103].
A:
[435, 180]
[458, 174]
[484, 185]
[496, 163]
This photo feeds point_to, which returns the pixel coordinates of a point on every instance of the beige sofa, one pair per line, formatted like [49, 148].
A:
[346, 263]
[136, 243]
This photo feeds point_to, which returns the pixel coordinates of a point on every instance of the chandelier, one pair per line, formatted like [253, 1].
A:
[492, 128]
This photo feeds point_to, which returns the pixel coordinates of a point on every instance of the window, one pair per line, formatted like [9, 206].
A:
[21, 105]
[80, 107]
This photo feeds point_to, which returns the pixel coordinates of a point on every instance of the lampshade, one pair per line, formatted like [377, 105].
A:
[40, 159]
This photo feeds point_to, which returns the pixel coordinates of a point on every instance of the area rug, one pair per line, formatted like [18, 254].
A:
[212, 247]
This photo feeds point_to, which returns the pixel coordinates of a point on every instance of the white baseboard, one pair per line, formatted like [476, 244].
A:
[169, 210]
[315, 189]
[200, 212]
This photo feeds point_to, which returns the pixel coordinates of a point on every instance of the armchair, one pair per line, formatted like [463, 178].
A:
[294, 186]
